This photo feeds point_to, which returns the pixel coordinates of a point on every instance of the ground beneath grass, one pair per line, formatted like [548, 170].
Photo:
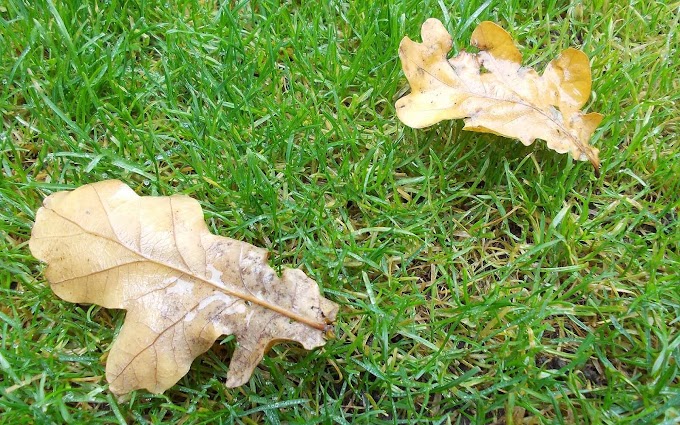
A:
[480, 281]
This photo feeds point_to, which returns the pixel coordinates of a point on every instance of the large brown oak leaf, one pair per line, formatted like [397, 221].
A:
[182, 286]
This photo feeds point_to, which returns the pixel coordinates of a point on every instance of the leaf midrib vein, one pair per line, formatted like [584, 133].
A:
[574, 140]
[246, 297]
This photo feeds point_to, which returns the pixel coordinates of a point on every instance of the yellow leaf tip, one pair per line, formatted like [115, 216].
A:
[434, 34]
[493, 39]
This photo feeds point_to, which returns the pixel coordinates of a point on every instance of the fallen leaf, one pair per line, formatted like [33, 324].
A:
[182, 286]
[493, 93]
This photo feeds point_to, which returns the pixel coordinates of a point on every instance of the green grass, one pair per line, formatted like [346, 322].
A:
[480, 281]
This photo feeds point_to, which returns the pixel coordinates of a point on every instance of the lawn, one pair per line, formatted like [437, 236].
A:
[480, 281]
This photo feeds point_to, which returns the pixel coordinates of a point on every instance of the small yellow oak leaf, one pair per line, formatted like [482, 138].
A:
[493, 93]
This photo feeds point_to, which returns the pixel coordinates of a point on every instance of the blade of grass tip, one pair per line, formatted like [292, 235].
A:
[472, 18]
[62, 28]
